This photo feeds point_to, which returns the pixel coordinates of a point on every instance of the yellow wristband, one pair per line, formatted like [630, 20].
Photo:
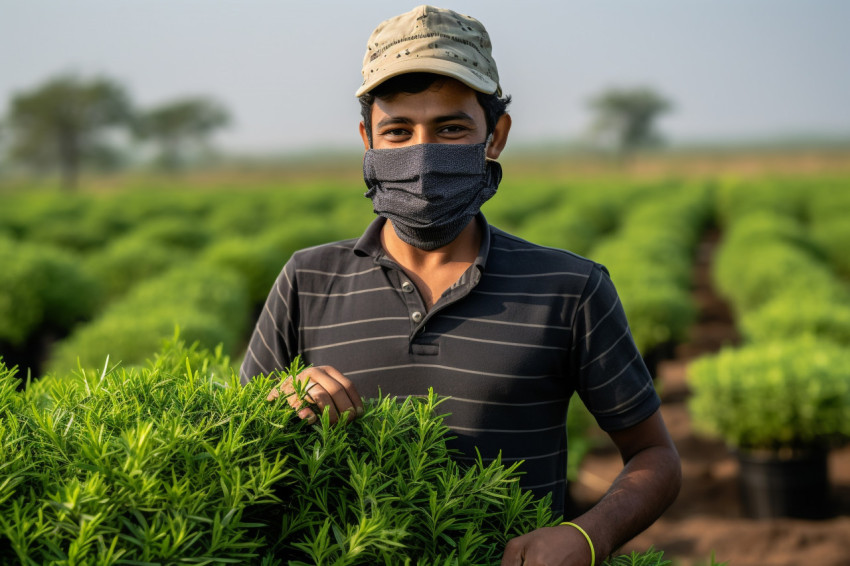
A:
[589, 542]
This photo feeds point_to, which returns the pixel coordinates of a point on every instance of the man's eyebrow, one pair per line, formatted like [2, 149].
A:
[393, 120]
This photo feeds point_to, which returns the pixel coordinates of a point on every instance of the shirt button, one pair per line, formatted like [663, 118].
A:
[407, 287]
[416, 316]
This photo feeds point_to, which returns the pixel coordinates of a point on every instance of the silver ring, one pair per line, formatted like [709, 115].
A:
[310, 386]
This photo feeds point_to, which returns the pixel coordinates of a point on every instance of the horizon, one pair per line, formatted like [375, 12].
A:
[756, 70]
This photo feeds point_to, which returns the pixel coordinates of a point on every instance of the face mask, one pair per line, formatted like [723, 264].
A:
[430, 192]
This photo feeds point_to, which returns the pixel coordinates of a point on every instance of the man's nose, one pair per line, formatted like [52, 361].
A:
[424, 135]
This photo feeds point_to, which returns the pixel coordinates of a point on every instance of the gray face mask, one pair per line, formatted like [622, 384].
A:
[430, 192]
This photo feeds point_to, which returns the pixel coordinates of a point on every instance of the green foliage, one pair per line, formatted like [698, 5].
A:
[583, 216]
[625, 117]
[209, 305]
[650, 258]
[786, 316]
[41, 286]
[827, 206]
[781, 394]
[178, 462]
[515, 203]
[764, 255]
[735, 198]
[129, 260]
[61, 123]
[181, 128]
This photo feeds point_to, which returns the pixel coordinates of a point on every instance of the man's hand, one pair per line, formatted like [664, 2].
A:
[550, 546]
[323, 386]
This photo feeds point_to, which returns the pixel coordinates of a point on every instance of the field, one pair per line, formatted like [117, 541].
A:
[710, 251]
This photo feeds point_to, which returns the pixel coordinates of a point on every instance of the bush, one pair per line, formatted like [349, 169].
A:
[171, 464]
[176, 233]
[832, 236]
[790, 394]
[764, 256]
[177, 462]
[736, 198]
[41, 286]
[786, 316]
[130, 260]
[207, 304]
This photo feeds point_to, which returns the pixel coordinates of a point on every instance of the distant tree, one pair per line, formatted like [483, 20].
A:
[62, 123]
[181, 128]
[626, 118]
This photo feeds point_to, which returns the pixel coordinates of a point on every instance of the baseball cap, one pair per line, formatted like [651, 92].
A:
[431, 40]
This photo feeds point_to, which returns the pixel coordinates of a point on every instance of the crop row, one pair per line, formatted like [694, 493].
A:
[780, 266]
[177, 462]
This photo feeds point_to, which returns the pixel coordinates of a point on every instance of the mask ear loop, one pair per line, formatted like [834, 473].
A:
[487, 143]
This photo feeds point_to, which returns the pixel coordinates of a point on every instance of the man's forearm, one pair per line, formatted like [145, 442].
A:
[643, 490]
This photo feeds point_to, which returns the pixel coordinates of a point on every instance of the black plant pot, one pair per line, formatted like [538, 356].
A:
[774, 485]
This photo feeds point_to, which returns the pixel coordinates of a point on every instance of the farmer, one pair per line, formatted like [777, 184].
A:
[431, 295]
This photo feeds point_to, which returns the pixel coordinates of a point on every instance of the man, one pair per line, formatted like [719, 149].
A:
[432, 296]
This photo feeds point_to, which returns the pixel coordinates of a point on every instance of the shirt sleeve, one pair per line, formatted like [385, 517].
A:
[274, 342]
[613, 380]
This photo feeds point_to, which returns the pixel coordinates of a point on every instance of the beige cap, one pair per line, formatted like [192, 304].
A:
[431, 40]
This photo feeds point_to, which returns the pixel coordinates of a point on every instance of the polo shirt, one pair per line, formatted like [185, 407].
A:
[521, 330]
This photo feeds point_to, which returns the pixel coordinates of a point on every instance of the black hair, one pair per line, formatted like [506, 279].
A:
[412, 83]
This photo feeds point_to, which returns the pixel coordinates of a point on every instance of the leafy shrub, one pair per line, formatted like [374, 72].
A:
[785, 394]
[207, 304]
[786, 316]
[41, 286]
[260, 258]
[129, 260]
[659, 313]
[179, 233]
[736, 198]
[561, 227]
[257, 262]
[169, 463]
[177, 462]
[763, 256]
[832, 236]
[513, 204]
[650, 260]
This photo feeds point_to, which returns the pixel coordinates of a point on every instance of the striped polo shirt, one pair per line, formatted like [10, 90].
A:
[522, 329]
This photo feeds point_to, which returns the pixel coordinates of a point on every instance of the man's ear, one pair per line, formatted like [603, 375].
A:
[365, 137]
[500, 136]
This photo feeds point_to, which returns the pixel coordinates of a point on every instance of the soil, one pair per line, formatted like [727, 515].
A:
[707, 516]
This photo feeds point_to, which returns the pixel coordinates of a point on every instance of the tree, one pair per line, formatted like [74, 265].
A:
[626, 117]
[63, 123]
[181, 128]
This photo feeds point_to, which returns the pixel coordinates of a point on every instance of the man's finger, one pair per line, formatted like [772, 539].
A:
[346, 396]
[513, 553]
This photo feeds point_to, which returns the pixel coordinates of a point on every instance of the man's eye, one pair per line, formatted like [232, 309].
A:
[453, 129]
[396, 133]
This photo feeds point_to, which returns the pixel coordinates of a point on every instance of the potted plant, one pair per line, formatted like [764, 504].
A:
[780, 406]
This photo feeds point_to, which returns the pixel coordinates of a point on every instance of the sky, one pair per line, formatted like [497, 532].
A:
[735, 70]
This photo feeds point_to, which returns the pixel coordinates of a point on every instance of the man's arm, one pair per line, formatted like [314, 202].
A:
[647, 485]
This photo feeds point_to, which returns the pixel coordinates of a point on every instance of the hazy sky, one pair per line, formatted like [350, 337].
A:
[288, 70]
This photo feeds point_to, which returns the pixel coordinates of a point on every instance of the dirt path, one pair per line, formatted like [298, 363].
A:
[707, 516]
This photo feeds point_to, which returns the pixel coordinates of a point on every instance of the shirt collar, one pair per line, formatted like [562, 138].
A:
[369, 243]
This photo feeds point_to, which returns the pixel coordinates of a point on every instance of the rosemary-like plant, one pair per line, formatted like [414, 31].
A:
[177, 462]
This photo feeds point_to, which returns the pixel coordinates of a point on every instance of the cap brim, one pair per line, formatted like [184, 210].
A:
[475, 81]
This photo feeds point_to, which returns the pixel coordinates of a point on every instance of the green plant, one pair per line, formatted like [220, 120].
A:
[41, 287]
[779, 395]
[178, 462]
[785, 317]
[209, 305]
